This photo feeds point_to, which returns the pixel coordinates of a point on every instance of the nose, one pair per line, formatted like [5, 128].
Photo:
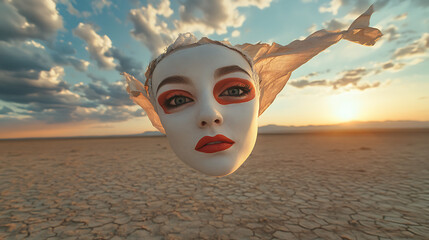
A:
[208, 117]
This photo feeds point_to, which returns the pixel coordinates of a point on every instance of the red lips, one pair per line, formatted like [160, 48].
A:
[214, 144]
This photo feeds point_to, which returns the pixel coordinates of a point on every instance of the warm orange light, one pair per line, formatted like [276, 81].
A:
[345, 107]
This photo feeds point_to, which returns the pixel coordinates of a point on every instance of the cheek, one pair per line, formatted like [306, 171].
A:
[241, 118]
[180, 128]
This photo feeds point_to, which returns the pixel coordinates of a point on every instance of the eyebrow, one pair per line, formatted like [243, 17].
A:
[229, 69]
[173, 79]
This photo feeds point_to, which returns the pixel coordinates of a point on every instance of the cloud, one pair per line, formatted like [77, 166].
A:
[5, 110]
[417, 48]
[359, 6]
[391, 33]
[422, 3]
[127, 64]
[104, 53]
[62, 47]
[98, 45]
[34, 44]
[393, 66]
[28, 87]
[109, 94]
[151, 31]
[235, 33]
[32, 71]
[107, 114]
[350, 79]
[22, 57]
[365, 86]
[332, 7]
[305, 83]
[98, 5]
[401, 17]
[97, 79]
[78, 64]
[45, 96]
[334, 25]
[30, 55]
[91, 91]
[207, 17]
[22, 19]
[312, 28]
[72, 10]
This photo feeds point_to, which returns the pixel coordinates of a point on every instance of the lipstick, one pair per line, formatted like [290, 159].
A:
[214, 144]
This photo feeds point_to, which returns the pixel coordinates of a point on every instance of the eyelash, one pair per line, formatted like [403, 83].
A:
[245, 88]
[169, 105]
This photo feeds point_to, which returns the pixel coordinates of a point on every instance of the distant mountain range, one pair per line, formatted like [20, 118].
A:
[421, 126]
[355, 125]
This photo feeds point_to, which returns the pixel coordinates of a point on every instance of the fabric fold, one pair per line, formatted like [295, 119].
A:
[139, 94]
[274, 63]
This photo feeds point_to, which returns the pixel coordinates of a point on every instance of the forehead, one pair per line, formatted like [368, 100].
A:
[198, 62]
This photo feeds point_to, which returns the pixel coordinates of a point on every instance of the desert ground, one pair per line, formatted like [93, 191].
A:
[293, 186]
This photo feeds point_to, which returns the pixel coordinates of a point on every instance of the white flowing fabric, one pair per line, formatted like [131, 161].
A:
[274, 63]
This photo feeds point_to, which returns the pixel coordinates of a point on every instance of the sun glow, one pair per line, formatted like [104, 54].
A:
[345, 107]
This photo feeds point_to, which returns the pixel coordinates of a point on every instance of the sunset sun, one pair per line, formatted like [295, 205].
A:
[345, 107]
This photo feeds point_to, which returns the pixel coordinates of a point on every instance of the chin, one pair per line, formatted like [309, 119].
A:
[217, 166]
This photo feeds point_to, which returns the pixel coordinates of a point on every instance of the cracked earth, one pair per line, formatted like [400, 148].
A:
[298, 186]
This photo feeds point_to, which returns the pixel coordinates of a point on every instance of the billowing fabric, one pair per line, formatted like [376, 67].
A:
[139, 94]
[273, 64]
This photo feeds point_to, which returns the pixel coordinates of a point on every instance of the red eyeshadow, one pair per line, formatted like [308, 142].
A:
[163, 97]
[224, 84]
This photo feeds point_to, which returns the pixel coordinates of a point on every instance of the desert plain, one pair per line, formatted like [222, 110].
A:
[350, 185]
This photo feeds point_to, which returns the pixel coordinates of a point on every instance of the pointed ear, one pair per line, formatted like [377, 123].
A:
[138, 93]
[275, 63]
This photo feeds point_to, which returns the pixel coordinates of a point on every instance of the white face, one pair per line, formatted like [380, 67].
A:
[208, 106]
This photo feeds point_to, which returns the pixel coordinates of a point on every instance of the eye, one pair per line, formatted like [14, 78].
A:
[233, 90]
[236, 91]
[177, 101]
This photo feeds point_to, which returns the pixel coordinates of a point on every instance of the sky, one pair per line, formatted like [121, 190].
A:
[60, 60]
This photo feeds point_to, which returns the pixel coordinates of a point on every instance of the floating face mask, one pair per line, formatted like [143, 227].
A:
[207, 102]
[206, 95]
